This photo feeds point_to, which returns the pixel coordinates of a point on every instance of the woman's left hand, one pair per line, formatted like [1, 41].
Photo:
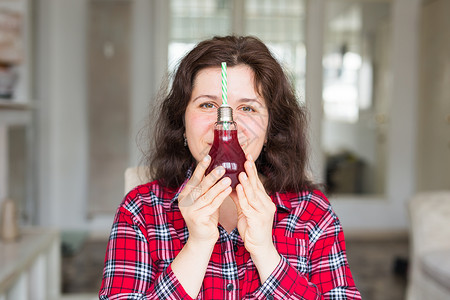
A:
[255, 219]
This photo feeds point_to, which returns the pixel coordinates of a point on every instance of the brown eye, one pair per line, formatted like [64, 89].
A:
[247, 109]
[207, 105]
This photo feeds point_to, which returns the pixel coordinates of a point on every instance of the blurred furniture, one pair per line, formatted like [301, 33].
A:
[345, 173]
[30, 266]
[135, 176]
[429, 273]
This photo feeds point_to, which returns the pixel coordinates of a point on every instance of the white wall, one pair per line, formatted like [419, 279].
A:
[149, 62]
[61, 98]
[434, 103]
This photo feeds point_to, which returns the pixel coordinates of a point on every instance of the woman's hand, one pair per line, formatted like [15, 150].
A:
[199, 204]
[200, 200]
[255, 220]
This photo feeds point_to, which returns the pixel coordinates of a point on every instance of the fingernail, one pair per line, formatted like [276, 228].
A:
[244, 176]
[250, 157]
[249, 163]
[220, 170]
[226, 181]
[207, 158]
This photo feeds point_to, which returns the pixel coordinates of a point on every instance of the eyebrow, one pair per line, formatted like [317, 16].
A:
[249, 100]
[212, 97]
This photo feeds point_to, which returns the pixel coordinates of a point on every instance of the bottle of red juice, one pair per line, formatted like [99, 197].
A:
[226, 150]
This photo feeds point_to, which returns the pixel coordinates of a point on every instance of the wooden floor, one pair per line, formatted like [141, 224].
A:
[378, 267]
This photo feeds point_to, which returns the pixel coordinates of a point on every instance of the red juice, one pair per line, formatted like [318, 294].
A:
[227, 152]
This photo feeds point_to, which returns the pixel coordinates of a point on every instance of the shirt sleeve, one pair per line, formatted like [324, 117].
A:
[329, 276]
[129, 271]
[330, 271]
[286, 283]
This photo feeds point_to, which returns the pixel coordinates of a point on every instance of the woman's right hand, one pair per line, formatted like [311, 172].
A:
[200, 200]
[199, 204]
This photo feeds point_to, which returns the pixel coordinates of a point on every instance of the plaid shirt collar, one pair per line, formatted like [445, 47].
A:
[174, 200]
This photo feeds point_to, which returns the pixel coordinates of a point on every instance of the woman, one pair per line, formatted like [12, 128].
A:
[188, 234]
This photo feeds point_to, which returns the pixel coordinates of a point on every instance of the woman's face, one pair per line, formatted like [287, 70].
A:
[249, 110]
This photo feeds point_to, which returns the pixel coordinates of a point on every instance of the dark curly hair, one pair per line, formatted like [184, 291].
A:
[284, 160]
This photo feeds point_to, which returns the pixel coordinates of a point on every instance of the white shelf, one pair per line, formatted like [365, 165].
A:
[30, 265]
[15, 105]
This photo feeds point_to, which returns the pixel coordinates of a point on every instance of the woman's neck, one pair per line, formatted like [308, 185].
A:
[228, 215]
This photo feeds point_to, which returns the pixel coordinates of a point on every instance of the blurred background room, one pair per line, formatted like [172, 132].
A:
[77, 78]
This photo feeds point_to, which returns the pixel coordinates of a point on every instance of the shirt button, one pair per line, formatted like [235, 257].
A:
[230, 287]
[270, 297]
[235, 248]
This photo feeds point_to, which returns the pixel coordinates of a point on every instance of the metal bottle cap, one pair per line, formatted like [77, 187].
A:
[225, 114]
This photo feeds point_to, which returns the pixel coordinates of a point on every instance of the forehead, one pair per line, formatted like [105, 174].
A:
[239, 76]
[214, 71]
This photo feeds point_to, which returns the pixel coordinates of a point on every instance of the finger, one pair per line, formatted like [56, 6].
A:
[200, 170]
[211, 179]
[209, 197]
[242, 198]
[250, 192]
[246, 185]
[258, 186]
[198, 174]
[252, 173]
[217, 201]
[190, 198]
[260, 194]
[192, 194]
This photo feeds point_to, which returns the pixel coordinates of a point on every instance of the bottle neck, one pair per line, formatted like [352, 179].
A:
[225, 125]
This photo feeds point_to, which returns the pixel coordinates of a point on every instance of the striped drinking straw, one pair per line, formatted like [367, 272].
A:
[224, 84]
[224, 90]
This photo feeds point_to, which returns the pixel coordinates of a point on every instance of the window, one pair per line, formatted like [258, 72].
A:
[279, 23]
[193, 21]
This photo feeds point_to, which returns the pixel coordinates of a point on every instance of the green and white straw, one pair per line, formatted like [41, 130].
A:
[224, 91]
[224, 84]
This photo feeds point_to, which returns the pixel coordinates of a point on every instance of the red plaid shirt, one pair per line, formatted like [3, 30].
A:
[149, 231]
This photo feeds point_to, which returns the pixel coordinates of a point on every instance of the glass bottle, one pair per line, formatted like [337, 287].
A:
[226, 150]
